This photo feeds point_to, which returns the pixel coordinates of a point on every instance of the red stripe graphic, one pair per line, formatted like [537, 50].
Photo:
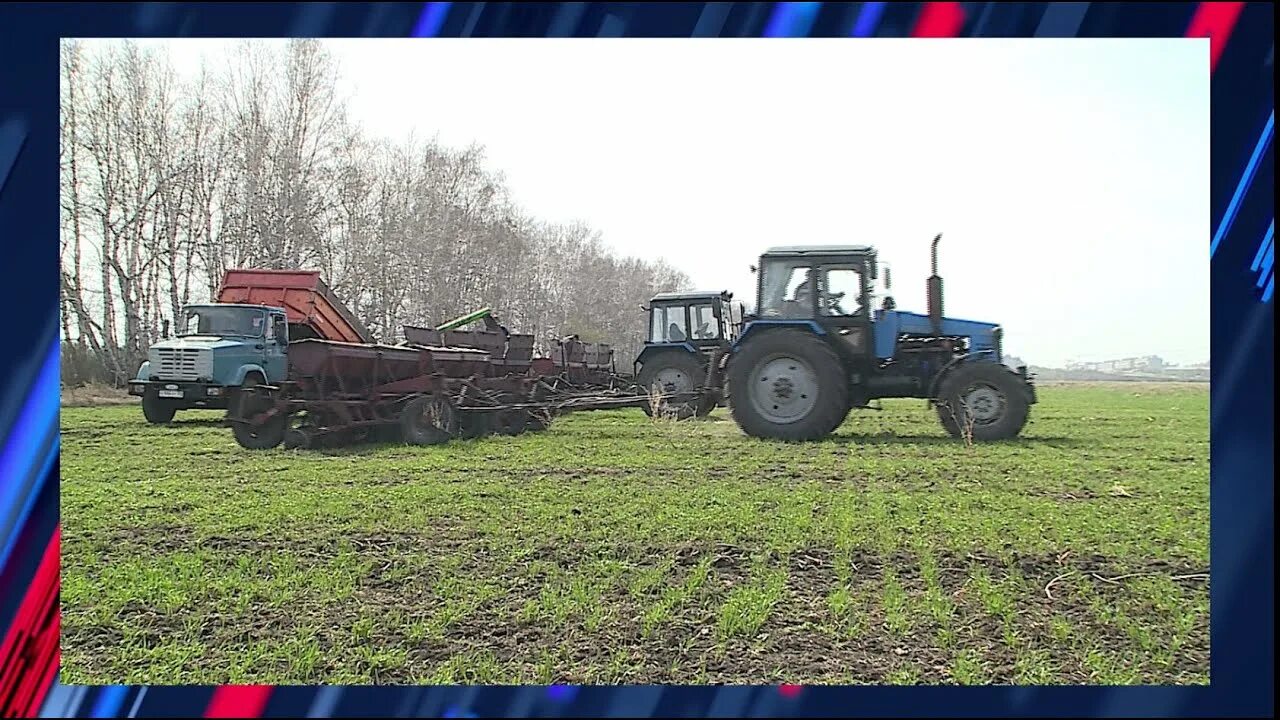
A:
[1215, 20]
[238, 701]
[939, 19]
[29, 655]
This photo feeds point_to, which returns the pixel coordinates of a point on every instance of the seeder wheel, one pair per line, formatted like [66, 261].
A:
[428, 420]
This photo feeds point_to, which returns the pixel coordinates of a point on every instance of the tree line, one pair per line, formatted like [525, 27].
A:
[168, 181]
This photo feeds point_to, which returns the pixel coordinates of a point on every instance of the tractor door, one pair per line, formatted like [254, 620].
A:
[705, 327]
[842, 300]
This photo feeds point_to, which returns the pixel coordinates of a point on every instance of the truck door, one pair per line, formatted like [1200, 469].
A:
[275, 350]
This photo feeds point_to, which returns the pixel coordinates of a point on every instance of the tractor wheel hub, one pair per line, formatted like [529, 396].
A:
[783, 389]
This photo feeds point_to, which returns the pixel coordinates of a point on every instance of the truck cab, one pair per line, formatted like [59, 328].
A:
[216, 350]
[689, 334]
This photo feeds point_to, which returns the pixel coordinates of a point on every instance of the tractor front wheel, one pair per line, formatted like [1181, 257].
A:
[788, 385]
[675, 373]
[983, 401]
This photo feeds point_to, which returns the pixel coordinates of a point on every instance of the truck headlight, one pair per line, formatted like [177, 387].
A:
[213, 391]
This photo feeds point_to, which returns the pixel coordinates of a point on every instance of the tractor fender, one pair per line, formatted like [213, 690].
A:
[752, 326]
[936, 384]
[243, 371]
[656, 349]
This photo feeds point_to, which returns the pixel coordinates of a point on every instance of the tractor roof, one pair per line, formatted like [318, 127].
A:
[692, 295]
[811, 250]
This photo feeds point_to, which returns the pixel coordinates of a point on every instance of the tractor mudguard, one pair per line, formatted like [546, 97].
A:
[809, 325]
[655, 348]
[936, 384]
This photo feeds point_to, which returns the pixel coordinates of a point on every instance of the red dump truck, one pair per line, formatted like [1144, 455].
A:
[240, 340]
[311, 308]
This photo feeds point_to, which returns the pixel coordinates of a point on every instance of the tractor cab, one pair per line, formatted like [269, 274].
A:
[815, 282]
[702, 319]
[689, 336]
[828, 288]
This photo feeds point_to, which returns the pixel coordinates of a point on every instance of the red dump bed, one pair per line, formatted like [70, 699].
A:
[307, 301]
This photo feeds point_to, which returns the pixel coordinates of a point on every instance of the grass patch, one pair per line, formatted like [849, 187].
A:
[614, 549]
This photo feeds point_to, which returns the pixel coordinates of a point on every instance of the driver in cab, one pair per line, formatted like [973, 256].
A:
[828, 303]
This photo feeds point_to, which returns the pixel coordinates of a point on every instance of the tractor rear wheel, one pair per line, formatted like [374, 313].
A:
[983, 401]
[788, 385]
[675, 373]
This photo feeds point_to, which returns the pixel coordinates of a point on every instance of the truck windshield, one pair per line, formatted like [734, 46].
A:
[214, 320]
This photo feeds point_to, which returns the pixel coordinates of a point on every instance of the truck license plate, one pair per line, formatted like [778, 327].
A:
[170, 393]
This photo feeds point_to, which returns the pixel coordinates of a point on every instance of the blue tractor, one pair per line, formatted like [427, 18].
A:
[815, 349]
[690, 334]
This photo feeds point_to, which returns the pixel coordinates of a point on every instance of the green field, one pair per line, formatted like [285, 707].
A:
[616, 549]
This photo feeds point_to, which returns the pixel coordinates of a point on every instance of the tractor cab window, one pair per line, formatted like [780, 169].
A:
[841, 290]
[706, 326]
[786, 289]
[668, 324]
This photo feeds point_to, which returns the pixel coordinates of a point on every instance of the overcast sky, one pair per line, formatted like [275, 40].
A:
[1070, 178]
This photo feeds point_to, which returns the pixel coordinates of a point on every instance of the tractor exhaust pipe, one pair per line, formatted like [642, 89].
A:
[934, 289]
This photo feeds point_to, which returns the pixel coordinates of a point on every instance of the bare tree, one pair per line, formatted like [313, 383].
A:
[167, 183]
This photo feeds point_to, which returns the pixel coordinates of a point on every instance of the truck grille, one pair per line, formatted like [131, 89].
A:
[181, 363]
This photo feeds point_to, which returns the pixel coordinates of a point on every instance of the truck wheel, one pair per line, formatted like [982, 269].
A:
[242, 400]
[788, 385]
[675, 373]
[984, 397]
[248, 403]
[428, 420]
[158, 411]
